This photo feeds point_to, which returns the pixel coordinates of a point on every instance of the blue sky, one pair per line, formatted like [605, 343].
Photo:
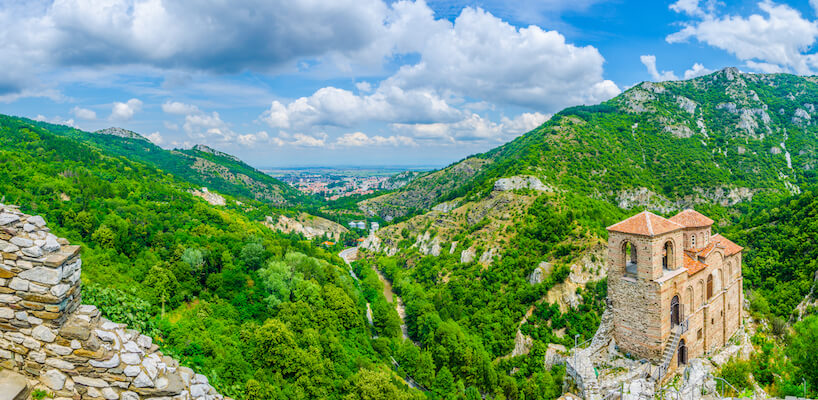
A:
[367, 82]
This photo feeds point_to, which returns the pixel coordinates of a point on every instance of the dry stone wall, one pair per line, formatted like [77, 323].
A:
[67, 348]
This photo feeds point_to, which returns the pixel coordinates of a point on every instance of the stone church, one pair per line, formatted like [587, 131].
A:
[674, 288]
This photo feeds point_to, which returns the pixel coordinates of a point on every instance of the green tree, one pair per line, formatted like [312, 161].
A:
[194, 258]
[162, 283]
[444, 382]
[253, 255]
[804, 348]
[377, 384]
[104, 237]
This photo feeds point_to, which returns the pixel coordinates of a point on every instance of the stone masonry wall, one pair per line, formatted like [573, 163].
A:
[68, 348]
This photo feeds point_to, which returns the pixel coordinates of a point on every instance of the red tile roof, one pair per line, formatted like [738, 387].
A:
[691, 219]
[645, 223]
[692, 265]
[730, 248]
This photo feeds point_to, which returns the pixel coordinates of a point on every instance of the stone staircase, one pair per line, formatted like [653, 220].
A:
[580, 367]
[670, 349]
[13, 386]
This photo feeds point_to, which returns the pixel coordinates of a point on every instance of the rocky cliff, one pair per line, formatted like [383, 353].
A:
[66, 348]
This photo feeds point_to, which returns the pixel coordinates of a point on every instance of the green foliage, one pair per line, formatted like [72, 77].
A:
[122, 307]
[737, 373]
[804, 349]
[148, 243]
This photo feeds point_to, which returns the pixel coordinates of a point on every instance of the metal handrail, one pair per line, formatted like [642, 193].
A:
[723, 381]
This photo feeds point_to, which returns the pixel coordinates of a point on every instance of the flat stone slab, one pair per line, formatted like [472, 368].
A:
[13, 386]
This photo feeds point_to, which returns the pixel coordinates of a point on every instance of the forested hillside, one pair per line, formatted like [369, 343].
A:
[717, 138]
[740, 147]
[269, 315]
[265, 316]
[200, 165]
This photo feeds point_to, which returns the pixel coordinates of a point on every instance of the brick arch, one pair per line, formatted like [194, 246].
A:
[669, 254]
[629, 259]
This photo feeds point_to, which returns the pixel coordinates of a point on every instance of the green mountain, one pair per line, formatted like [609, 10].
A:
[263, 315]
[200, 165]
[472, 237]
[718, 138]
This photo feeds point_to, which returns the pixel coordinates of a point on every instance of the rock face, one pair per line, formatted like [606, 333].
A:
[539, 273]
[123, 133]
[210, 150]
[212, 198]
[521, 182]
[69, 348]
[308, 225]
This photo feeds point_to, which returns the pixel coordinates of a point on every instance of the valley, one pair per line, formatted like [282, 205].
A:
[483, 275]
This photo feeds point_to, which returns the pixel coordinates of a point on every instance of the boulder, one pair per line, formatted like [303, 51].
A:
[13, 386]
[53, 379]
[7, 218]
[540, 273]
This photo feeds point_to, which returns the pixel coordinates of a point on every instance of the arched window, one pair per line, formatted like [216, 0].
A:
[730, 271]
[709, 286]
[667, 256]
[629, 252]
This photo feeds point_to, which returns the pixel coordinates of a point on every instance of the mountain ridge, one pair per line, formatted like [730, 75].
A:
[727, 126]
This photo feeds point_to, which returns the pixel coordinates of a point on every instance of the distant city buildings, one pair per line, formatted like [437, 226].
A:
[336, 187]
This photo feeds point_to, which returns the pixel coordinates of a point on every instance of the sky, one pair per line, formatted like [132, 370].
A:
[283, 83]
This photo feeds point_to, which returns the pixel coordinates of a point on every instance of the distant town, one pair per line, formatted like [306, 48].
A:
[335, 183]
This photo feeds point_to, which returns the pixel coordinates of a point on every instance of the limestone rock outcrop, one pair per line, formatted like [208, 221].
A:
[75, 353]
[521, 182]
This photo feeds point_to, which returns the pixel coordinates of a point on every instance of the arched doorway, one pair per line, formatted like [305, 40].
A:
[682, 356]
[674, 311]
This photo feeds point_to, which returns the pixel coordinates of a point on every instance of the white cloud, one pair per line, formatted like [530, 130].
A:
[208, 126]
[690, 7]
[650, 63]
[57, 121]
[302, 140]
[125, 111]
[480, 56]
[524, 122]
[475, 63]
[171, 125]
[177, 108]
[814, 5]
[366, 87]
[472, 128]
[252, 139]
[767, 68]
[156, 138]
[331, 106]
[360, 139]
[696, 71]
[782, 37]
[84, 113]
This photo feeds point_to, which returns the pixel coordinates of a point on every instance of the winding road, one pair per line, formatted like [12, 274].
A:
[349, 255]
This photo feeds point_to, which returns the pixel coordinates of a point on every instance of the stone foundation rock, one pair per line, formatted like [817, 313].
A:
[47, 335]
